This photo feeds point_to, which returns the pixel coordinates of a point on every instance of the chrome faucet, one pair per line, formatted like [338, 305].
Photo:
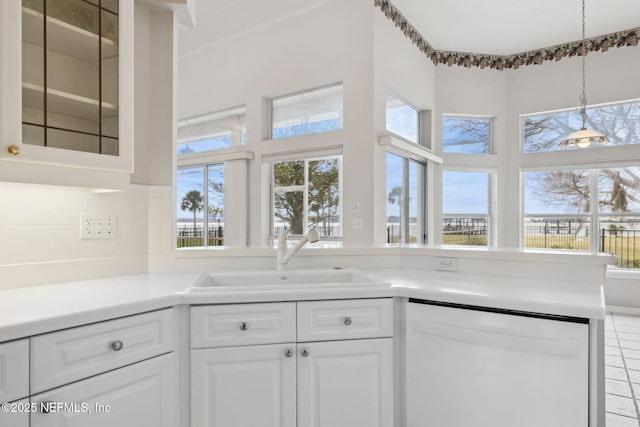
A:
[283, 255]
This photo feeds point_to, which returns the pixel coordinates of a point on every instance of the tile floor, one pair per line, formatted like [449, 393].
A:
[622, 369]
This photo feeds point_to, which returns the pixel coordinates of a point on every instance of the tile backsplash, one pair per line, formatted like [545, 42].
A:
[40, 224]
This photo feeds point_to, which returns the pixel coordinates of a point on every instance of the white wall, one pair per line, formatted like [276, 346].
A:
[40, 234]
[401, 68]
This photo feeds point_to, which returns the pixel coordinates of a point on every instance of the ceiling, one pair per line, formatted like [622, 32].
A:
[496, 27]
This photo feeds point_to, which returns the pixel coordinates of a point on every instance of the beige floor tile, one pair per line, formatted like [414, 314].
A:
[634, 376]
[614, 361]
[614, 420]
[620, 405]
[612, 351]
[633, 345]
[631, 364]
[629, 353]
[615, 373]
[629, 336]
[620, 388]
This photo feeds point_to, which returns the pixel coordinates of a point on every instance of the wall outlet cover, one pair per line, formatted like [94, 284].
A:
[446, 264]
[96, 226]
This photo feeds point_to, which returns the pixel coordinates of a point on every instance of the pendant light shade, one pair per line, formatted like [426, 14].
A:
[584, 137]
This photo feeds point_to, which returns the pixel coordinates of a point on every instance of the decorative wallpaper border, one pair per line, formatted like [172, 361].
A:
[501, 62]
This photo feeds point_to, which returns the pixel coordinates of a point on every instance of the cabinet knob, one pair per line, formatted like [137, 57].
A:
[288, 352]
[348, 320]
[304, 352]
[14, 150]
[117, 345]
[244, 326]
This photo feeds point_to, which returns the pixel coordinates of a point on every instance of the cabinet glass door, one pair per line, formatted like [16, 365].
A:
[70, 74]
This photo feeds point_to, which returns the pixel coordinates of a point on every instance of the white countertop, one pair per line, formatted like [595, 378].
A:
[35, 310]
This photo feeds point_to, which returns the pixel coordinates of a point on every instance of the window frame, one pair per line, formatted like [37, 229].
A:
[304, 187]
[205, 211]
[573, 151]
[422, 216]
[594, 215]
[491, 150]
[200, 119]
[270, 108]
[492, 212]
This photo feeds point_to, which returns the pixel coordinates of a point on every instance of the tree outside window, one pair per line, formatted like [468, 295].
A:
[306, 196]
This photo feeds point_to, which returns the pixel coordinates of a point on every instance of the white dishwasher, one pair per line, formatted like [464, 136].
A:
[478, 367]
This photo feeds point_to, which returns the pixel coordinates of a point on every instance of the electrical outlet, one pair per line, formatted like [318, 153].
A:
[357, 223]
[447, 264]
[98, 226]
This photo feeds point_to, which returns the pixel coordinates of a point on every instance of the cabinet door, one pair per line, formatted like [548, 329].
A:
[66, 83]
[15, 416]
[142, 394]
[14, 370]
[475, 368]
[345, 383]
[253, 386]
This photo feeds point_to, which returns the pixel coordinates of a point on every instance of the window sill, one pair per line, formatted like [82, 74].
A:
[408, 149]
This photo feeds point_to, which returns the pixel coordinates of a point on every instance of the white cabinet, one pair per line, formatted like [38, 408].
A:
[14, 370]
[243, 324]
[119, 372]
[15, 415]
[66, 85]
[253, 386]
[143, 394]
[331, 383]
[346, 383]
[470, 367]
[61, 357]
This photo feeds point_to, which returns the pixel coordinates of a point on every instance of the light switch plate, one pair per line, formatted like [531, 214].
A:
[98, 226]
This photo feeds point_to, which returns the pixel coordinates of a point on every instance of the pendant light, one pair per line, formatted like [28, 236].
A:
[584, 137]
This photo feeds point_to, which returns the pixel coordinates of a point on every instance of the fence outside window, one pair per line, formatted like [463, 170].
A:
[190, 237]
[621, 238]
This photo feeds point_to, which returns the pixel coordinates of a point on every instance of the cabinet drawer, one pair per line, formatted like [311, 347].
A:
[242, 324]
[69, 355]
[345, 319]
[14, 370]
[143, 394]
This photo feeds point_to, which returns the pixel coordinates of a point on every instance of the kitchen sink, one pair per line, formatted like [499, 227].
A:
[270, 279]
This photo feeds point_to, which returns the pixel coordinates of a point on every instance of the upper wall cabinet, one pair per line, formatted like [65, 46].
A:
[66, 83]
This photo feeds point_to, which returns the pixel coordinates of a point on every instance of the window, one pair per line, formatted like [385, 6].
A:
[200, 206]
[544, 132]
[406, 201]
[557, 207]
[594, 207]
[212, 131]
[465, 208]
[307, 112]
[561, 206]
[466, 135]
[306, 196]
[402, 119]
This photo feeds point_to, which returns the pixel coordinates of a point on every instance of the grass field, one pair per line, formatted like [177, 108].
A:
[626, 249]
[195, 242]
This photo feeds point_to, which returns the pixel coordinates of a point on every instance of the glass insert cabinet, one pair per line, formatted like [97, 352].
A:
[67, 82]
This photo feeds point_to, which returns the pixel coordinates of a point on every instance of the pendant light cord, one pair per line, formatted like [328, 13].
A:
[583, 53]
